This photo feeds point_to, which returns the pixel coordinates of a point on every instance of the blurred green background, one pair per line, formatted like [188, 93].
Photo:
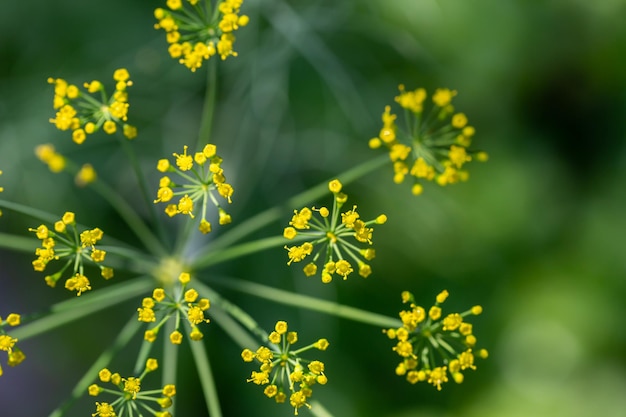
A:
[536, 236]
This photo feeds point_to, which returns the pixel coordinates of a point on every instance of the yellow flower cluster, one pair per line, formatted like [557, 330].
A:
[48, 155]
[281, 368]
[8, 343]
[83, 113]
[57, 163]
[129, 397]
[185, 304]
[434, 146]
[195, 34]
[432, 344]
[332, 233]
[200, 183]
[64, 241]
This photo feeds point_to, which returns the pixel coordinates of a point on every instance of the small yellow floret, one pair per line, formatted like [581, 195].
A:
[334, 186]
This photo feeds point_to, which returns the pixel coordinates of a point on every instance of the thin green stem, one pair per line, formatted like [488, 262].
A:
[232, 310]
[142, 356]
[143, 186]
[215, 257]
[201, 358]
[268, 216]
[170, 360]
[182, 237]
[208, 110]
[77, 308]
[17, 243]
[130, 217]
[305, 301]
[44, 216]
[170, 355]
[127, 332]
[318, 410]
[135, 261]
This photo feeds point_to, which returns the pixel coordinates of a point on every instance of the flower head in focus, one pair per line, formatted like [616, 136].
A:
[434, 146]
[195, 34]
[64, 241]
[201, 177]
[339, 240]
[431, 344]
[281, 368]
[130, 396]
[8, 343]
[87, 111]
[182, 302]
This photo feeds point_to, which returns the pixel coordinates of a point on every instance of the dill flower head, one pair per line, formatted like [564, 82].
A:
[339, 240]
[63, 240]
[435, 144]
[201, 177]
[8, 343]
[87, 111]
[432, 344]
[195, 35]
[182, 302]
[281, 368]
[128, 393]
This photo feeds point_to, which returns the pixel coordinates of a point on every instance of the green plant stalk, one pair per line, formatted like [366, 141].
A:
[234, 311]
[77, 308]
[170, 360]
[44, 216]
[17, 243]
[127, 332]
[201, 358]
[208, 111]
[305, 301]
[182, 237]
[130, 217]
[142, 356]
[273, 214]
[318, 410]
[143, 186]
[215, 257]
[136, 261]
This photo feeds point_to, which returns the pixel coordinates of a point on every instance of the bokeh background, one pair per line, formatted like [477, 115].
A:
[536, 236]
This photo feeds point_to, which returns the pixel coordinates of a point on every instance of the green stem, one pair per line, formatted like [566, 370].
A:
[128, 331]
[208, 111]
[44, 216]
[201, 358]
[17, 243]
[305, 301]
[318, 410]
[130, 217]
[170, 355]
[215, 257]
[183, 237]
[137, 261]
[229, 311]
[170, 360]
[77, 308]
[143, 186]
[270, 215]
[142, 356]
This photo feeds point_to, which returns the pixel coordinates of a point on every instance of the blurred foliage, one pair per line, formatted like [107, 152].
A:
[536, 236]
